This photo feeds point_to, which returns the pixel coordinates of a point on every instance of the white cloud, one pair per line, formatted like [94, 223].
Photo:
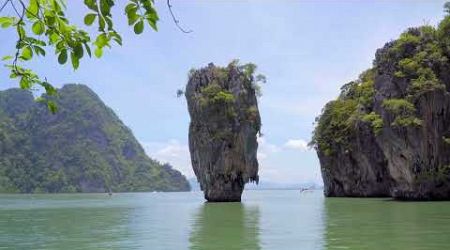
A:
[173, 152]
[265, 147]
[297, 144]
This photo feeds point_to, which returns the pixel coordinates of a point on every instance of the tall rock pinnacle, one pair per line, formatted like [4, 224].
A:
[225, 121]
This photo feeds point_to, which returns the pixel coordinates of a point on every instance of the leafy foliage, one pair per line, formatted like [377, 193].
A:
[217, 95]
[403, 111]
[213, 94]
[82, 148]
[361, 90]
[420, 53]
[375, 120]
[399, 106]
[335, 124]
[338, 119]
[51, 29]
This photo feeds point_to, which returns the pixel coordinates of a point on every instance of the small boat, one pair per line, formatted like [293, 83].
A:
[303, 189]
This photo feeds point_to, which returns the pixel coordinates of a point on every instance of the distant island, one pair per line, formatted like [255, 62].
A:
[388, 133]
[84, 147]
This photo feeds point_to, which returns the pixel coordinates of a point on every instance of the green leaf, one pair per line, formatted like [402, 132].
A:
[78, 50]
[54, 38]
[25, 83]
[101, 24]
[33, 9]
[151, 14]
[75, 60]
[7, 58]
[132, 17]
[49, 89]
[152, 23]
[89, 19]
[62, 58]
[21, 30]
[98, 52]
[105, 7]
[39, 42]
[50, 20]
[101, 40]
[139, 27]
[6, 21]
[117, 38]
[110, 23]
[60, 45]
[130, 7]
[27, 53]
[91, 4]
[52, 107]
[39, 50]
[88, 49]
[38, 28]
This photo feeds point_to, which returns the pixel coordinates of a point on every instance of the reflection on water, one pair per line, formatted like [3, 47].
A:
[379, 223]
[226, 226]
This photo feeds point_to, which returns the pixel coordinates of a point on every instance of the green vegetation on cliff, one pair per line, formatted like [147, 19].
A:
[417, 62]
[221, 100]
[84, 147]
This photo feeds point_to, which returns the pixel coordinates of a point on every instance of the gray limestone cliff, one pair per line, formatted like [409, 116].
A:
[388, 133]
[225, 121]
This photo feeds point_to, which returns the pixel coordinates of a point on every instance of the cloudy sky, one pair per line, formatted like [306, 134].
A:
[306, 49]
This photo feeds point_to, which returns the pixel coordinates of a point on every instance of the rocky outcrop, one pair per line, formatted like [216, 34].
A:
[388, 133]
[225, 121]
[358, 170]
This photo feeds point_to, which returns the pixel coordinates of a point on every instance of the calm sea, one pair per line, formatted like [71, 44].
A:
[264, 220]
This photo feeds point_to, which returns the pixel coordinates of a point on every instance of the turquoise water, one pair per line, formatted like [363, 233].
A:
[264, 220]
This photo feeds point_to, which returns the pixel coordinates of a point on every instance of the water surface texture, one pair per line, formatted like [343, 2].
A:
[264, 220]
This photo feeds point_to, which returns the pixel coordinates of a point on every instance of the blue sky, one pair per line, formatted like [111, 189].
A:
[306, 49]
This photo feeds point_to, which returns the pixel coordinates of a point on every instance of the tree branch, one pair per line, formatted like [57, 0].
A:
[4, 5]
[19, 34]
[17, 12]
[175, 20]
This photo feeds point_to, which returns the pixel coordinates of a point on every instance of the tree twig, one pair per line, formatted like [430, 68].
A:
[4, 5]
[16, 57]
[175, 20]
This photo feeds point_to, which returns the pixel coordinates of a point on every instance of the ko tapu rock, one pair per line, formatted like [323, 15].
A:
[225, 123]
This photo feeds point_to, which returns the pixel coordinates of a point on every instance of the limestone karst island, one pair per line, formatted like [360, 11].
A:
[224, 124]
[217, 125]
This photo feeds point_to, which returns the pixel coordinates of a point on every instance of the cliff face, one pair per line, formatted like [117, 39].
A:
[358, 170]
[84, 147]
[388, 133]
[224, 124]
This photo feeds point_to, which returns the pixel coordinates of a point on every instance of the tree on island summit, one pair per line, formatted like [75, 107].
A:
[42, 24]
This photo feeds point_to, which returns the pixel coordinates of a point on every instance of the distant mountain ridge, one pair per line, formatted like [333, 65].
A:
[85, 147]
